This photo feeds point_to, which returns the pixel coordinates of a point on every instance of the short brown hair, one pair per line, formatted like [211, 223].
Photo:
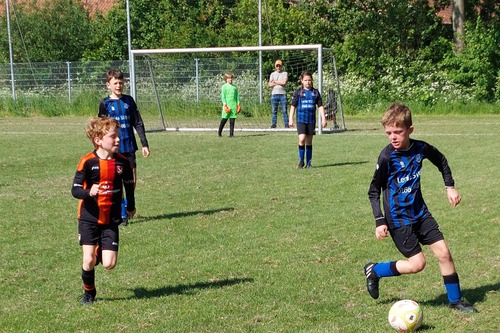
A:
[398, 115]
[114, 74]
[227, 76]
[97, 127]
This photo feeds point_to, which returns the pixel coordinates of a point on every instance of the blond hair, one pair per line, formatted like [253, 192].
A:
[397, 115]
[97, 127]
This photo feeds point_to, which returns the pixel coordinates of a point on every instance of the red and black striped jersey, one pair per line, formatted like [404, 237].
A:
[112, 176]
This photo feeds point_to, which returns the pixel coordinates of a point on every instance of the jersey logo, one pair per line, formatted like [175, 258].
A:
[418, 157]
[119, 169]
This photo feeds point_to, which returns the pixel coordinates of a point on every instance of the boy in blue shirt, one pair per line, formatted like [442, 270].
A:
[123, 108]
[405, 216]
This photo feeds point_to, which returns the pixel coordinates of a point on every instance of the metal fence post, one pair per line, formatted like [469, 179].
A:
[69, 80]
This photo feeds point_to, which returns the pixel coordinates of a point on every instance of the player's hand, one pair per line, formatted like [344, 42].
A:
[381, 231]
[227, 109]
[454, 197]
[323, 122]
[238, 108]
[145, 151]
[94, 190]
[131, 213]
[290, 123]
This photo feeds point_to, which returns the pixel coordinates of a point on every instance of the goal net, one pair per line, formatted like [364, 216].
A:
[183, 86]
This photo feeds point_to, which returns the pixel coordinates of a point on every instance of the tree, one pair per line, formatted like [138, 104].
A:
[57, 31]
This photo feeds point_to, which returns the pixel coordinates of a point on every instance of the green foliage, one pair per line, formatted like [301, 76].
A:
[478, 65]
[385, 42]
[58, 30]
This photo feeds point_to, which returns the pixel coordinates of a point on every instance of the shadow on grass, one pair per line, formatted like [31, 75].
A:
[339, 164]
[142, 219]
[185, 289]
[472, 295]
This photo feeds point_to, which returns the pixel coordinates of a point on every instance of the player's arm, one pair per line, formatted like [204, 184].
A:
[440, 161]
[103, 111]
[293, 107]
[78, 189]
[377, 184]
[321, 110]
[138, 124]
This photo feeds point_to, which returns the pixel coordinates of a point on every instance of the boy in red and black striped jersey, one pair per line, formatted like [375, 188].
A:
[100, 178]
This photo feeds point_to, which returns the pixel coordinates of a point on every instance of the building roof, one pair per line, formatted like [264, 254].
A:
[92, 6]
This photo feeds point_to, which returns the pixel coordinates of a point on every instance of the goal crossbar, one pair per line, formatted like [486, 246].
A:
[135, 54]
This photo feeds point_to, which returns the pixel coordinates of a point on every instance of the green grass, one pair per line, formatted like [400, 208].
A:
[229, 237]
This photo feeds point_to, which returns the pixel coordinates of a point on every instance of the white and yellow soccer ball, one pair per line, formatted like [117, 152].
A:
[406, 316]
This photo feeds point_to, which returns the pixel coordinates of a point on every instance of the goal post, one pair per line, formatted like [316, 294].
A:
[183, 85]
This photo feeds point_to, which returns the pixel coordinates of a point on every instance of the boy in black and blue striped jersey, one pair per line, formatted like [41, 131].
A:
[405, 215]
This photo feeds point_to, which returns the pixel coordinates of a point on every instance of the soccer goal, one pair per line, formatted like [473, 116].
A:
[183, 86]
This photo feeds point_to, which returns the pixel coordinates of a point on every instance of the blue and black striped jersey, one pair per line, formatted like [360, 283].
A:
[305, 101]
[398, 176]
[125, 111]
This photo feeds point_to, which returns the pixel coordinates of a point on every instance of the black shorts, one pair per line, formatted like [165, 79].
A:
[132, 159]
[105, 235]
[307, 129]
[409, 237]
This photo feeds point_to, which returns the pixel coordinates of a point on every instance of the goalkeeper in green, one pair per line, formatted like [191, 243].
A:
[230, 104]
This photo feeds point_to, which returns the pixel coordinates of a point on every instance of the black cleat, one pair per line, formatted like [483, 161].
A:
[300, 165]
[372, 280]
[463, 306]
[87, 299]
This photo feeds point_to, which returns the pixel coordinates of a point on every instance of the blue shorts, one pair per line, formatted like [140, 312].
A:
[409, 237]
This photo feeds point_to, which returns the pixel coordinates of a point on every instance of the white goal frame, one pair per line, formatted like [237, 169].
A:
[316, 47]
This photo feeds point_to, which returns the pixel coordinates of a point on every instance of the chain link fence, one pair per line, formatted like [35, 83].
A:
[56, 78]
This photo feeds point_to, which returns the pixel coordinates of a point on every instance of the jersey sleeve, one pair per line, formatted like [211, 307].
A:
[78, 190]
[440, 161]
[103, 111]
[377, 185]
[295, 98]
[138, 123]
[319, 99]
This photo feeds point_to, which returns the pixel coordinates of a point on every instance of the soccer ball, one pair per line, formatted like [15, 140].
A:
[405, 316]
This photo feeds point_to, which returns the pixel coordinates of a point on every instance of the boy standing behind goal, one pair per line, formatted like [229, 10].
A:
[123, 108]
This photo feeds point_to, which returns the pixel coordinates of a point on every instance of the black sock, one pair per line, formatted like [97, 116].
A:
[88, 278]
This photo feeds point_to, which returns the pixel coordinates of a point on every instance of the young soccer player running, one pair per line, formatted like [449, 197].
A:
[405, 215]
[123, 108]
[230, 104]
[304, 100]
[100, 178]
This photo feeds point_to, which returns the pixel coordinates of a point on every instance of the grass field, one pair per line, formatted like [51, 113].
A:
[229, 237]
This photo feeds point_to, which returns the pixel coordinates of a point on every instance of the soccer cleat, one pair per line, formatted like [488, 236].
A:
[273, 126]
[87, 299]
[372, 280]
[300, 165]
[309, 165]
[124, 222]
[463, 306]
